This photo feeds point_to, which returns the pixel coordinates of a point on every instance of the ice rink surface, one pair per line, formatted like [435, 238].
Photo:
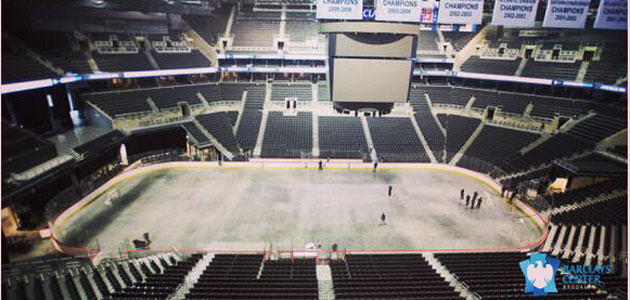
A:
[238, 209]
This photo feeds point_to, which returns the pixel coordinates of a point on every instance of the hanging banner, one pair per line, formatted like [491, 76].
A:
[514, 13]
[340, 9]
[566, 13]
[428, 13]
[398, 10]
[460, 12]
[612, 14]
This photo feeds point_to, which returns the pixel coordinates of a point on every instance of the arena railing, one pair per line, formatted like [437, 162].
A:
[432, 243]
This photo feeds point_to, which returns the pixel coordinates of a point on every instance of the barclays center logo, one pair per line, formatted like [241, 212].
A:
[539, 271]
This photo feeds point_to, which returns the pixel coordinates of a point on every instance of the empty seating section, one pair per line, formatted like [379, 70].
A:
[498, 276]
[551, 70]
[22, 150]
[288, 136]
[194, 59]
[219, 126]
[195, 133]
[169, 97]
[121, 62]
[301, 92]
[612, 65]
[17, 67]
[323, 94]
[458, 131]
[496, 145]
[511, 103]
[427, 41]
[78, 279]
[255, 29]
[248, 129]
[212, 93]
[161, 285]
[56, 48]
[558, 146]
[252, 115]
[208, 28]
[395, 139]
[578, 195]
[548, 107]
[597, 128]
[543, 107]
[300, 31]
[428, 125]
[458, 40]
[389, 276]
[135, 101]
[475, 64]
[231, 276]
[445, 95]
[233, 117]
[610, 211]
[341, 137]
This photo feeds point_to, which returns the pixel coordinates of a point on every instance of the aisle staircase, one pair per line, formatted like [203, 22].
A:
[324, 282]
[453, 281]
[192, 277]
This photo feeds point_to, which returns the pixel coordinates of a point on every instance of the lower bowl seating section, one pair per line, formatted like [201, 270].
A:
[341, 137]
[146, 278]
[231, 276]
[426, 121]
[248, 129]
[496, 145]
[159, 286]
[610, 208]
[498, 276]
[551, 70]
[288, 136]
[388, 276]
[280, 92]
[580, 194]
[459, 129]
[475, 64]
[395, 140]
[219, 126]
[558, 146]
[597, 128]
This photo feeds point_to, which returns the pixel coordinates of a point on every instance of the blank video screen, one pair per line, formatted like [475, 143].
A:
[371, 80]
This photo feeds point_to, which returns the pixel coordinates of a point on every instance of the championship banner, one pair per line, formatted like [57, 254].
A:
[398, 10]
[428, 13]
[460, 12]
[514, 13]
[612, 14]
[566, 13]
[340, 9]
